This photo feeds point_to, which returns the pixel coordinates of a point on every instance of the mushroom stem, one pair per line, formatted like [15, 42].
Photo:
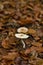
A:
[23, 43]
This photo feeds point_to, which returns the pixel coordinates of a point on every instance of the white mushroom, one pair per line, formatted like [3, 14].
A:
[21, 36]
[22, 30]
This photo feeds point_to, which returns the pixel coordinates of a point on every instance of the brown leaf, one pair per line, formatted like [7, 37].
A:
[31, 31]
[27, 51]
[11, 56]
[37, 44]
[5, 44]
[40, 49]
[25, 21]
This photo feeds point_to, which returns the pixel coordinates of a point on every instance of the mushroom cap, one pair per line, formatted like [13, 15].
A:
[22, 30]
[21, 35]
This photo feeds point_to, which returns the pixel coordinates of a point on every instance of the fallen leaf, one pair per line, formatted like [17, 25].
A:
[11, 56]
[37, 44]
[31, 31]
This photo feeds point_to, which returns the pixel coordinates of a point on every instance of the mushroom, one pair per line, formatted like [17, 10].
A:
[21, 36]
[22, 30]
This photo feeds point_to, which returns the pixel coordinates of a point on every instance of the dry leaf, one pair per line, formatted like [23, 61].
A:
[37, 44]
[5, 44]
[11, 56]
[31, 31]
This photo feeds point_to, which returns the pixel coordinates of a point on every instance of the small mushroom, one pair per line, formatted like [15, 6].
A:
[22, 30]
[21, 36]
